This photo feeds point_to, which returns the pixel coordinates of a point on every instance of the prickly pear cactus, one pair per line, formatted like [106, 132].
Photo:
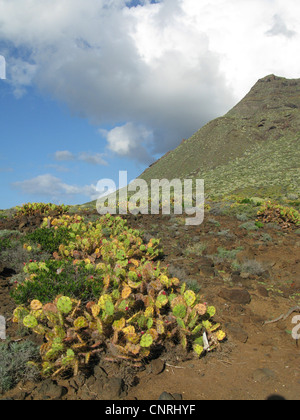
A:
[146, 340]
[30, 321]
[80, 323]
[64, 305]
[189, 297]
[19, 314]
[179, 311]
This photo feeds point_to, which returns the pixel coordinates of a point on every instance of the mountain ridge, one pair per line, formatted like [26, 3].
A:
[264, 127]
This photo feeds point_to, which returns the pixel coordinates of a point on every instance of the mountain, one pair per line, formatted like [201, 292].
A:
[253, 149]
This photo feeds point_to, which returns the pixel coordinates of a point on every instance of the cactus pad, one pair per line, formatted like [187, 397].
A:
[80, 322]
[220, 335]
[36, 305]
[64, 305]
[161, 301]
[189, 297]
[198, 349]
[146, 340]
[30, 321]
[179, 311]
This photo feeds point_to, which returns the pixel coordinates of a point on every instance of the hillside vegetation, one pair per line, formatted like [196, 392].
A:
[255, 146]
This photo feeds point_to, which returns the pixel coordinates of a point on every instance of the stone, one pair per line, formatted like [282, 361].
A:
[240, 296]
[236, 332]
[157, 366]
[78, 381]
[206, 271]
[99, 372]
[262, 291]
[51, 390]
[113, 389]
[96, 385]
[165, 396]
[177, 397]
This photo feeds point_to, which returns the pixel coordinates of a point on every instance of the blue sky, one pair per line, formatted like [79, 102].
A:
[34, 129]
[94, 87]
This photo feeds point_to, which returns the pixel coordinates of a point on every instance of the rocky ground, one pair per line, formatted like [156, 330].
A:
[250, 275]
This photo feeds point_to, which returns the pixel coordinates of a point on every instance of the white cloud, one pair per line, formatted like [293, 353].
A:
[168, 67]
[63, 155]
[54, 188]
[129, 140]
[91, 158]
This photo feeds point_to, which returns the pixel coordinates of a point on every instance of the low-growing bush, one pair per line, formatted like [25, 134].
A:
[229, 255]
[45, 280]
[5, 243]
[5, 233]
[16, 256]
[197, 249]
[14, 363]
[242, 217]
[266, 237]
[253, 267]
[49, 239]
[249, 226]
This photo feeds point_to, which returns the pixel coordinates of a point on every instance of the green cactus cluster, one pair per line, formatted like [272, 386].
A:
[32, 209]
[285, 216]
[128, 322]
[108, 238]
[61, 323]
[138, 305]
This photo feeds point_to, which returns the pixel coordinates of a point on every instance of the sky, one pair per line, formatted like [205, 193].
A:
[89, 88]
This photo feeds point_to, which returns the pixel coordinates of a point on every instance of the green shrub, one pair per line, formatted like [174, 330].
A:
[14, 367]
[16, 256]
[193, 285]
[266, 237]
[225, 254]
[253, 267]
[242, 217]
[48, 279]
[197, 249]
[214, 222]
[249, 226]
[5, 233]
[49, 239]
[5, 243]
[246, 201]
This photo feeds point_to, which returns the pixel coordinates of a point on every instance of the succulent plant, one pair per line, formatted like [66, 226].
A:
[283, 215]
[139, 305]
[189, 297]
[179, 311]
[146, 340]
[30, 321]
[80, 322]
[31, 209]
[64, 305]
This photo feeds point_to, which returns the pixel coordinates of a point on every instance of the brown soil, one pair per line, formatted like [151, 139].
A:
[257, 360]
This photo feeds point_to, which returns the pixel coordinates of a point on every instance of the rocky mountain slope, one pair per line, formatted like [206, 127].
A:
[252, 149]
